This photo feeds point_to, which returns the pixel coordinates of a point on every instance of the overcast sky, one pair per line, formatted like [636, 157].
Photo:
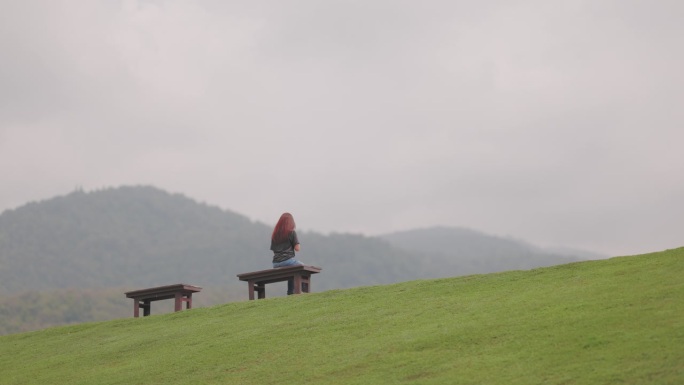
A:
[556, 122]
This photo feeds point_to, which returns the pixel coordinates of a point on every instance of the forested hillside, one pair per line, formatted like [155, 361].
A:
[134, 237]
[120, 237]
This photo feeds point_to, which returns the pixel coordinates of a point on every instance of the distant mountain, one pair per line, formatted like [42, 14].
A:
[569, 251]
[468, 251]
[111, 240]
[142, 236]
[130, 236]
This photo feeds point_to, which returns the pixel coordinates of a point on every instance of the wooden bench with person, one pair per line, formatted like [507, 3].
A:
[180, 293]
[257, 280]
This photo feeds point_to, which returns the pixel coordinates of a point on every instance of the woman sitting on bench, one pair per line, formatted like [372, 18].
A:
[284, 243]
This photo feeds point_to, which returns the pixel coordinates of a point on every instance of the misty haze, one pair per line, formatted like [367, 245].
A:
[559, 123]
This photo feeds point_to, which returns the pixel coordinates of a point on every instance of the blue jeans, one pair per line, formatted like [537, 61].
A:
[289, 262]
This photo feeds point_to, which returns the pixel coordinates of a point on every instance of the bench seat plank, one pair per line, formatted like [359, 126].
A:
[276, 273]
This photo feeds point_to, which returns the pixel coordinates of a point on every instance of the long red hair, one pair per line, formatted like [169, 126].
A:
[283, 228]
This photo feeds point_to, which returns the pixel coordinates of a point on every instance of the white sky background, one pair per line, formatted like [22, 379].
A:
[557, 122]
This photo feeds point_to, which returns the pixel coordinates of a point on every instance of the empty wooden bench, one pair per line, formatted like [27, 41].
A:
[257, 280]
[179, 292]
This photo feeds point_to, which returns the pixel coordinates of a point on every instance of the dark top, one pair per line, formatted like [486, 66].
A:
[284, 250]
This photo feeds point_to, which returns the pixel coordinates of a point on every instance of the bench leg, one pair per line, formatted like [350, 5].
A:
[306, 283]
[261, 290]
[250, 288]
[136, 308]
[298, 284]
[178, 302]
[147, 307]
[179, 299]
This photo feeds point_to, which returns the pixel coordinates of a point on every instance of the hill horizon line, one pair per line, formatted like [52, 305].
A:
[557, 249]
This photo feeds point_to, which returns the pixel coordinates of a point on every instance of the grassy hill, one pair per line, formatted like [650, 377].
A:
[600, 322]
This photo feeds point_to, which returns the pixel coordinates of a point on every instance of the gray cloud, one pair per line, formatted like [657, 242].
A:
[558, 123]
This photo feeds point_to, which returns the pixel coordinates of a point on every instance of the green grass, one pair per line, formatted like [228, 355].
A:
[617, 321]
